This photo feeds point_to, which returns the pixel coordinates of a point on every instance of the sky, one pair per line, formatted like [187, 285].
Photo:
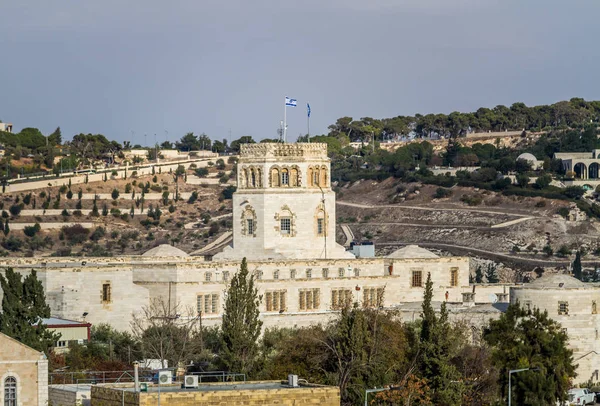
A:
[164, 68]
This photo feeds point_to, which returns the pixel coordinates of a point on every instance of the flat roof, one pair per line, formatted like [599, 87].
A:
[224, 387]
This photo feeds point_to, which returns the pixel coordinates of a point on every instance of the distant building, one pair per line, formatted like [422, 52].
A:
[70, 332]
[229, 393]
[6, 127]
[574, 305]
[585, 165]
[23, 374]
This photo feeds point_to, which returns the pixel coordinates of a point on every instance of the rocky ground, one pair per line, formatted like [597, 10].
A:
[391, 213]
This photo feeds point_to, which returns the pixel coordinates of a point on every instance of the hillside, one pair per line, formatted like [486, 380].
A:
[189, 213]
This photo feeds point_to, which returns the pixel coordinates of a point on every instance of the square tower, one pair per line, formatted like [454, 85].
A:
[284, 206]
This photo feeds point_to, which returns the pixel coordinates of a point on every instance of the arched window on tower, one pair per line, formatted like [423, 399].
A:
[316, 176]
[294, 181]
[274, 177]
[10, 391]
[285, 177]
[323, 177]
[310, 176]
[259, 182]
[244, 178]
[253, 177]
[249, 222]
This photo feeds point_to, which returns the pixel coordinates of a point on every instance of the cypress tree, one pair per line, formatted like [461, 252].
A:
[491, 274]
[241, 324]
[577, 270]
[436, 349]
[6, 228]
[23, 305]
[478, 274]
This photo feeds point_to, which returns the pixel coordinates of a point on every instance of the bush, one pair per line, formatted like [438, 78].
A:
[98, 233]
[69, 194]
[563, 211]
[12, 243]
[31, 231]
[15, 209]
[224, 179]
[115, 194]
[156, 188]
[574, 192]
[193, 197]
[563, 251]
[214, 228]
[171, 209]
[75, 234]
[220, 164]
[474, 200]
[65, 213]
[227, 193]
[202, 172]
[441, 193]
[128, 188]
[63, 189]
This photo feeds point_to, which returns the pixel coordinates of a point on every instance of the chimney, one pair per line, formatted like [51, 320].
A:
[136, 376]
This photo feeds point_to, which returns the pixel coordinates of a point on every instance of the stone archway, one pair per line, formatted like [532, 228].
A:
[593, 170]
[580, 170]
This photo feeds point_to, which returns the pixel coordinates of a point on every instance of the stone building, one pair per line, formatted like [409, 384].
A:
[574, 305]
[23, 374]
[585, 165]
[216, 394]
[284, 223]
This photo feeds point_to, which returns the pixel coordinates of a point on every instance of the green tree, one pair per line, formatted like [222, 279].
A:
[577, 270]
[115, 194]
[241, 325]
[529, 338]
[491, 274]
[23, 305]
[436, 346]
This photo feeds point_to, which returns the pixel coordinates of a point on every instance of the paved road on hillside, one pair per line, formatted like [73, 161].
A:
[395, 206]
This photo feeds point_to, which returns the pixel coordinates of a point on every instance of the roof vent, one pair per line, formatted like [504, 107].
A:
[293, 380]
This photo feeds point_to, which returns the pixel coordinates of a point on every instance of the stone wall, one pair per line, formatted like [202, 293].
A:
[304, 395]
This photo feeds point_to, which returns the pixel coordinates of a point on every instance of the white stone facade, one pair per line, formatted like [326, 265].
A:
[284, 206]
[574, 305]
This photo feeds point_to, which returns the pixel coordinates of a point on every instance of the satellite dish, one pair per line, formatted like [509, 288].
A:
[493, 298]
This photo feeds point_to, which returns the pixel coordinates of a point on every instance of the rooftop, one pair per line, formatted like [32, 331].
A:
[275, 150]
[412, 252]
[233, 386]
[55, 321]
[165, 250]
[556, 281]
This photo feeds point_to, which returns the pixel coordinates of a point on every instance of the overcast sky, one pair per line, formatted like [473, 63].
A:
[115, 67]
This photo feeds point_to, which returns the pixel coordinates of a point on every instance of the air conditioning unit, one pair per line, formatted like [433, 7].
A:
[293, 380]
[190, 381]
[165, 377]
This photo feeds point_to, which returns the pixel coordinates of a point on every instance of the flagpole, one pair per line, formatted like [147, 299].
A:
[285, 120]
[308, 126]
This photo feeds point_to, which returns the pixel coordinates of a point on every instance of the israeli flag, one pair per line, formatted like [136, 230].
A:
[308, 109]
[290, 102]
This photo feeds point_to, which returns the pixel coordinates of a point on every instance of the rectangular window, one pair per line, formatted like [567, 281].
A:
[293, 274]
[417, 279]
[341, 298]
[373, 297]
[285, 178]
[199, 304]
[250, 228]
[207, 308]
[276, 274]
[341, 272]
[454, 277]
[106, 293]
[275, 301]
[215, 303]
[356, 272]
[325, 273]
[225, 276]
[308, 273]
[563, 308]
[320, 226]
[285, 225]
[259, 275]
[208, 276]
[61, 344]
[309, 299]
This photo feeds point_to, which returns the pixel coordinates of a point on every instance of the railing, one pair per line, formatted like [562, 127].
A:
[220, 376]
[68, 378]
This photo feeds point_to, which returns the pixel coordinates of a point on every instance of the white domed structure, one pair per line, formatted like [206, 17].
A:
[165, 250]
[574, 305]
[529, 158]
[412, 252]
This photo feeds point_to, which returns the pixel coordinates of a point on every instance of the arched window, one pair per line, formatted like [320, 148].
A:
[316, 176]
[285, 177]
[244, 178]
[310, 176]
[274, 177]
[10, 391]
[294, 181]
[323, 180]
[259, 182]
[253, 178]
[249, 222]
